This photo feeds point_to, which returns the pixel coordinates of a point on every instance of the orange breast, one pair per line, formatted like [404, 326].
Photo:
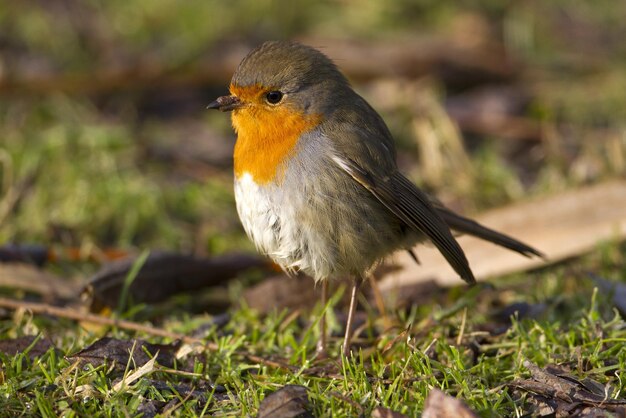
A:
[266, 136]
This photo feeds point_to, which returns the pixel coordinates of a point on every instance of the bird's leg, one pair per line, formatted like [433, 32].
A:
[321, 343]
[356, 283]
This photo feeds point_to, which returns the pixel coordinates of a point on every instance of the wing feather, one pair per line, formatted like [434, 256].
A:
[413, 207]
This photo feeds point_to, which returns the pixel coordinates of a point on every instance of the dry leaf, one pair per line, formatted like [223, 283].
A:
[291, 401]
[440, 405]
[380, 412]
[118, 352]
[164, 274]
[557, 392]
[28, 278]
[14, 346]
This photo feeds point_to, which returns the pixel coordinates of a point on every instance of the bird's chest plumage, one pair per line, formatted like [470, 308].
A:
[277, 215]
[268, 163]
[314, 217]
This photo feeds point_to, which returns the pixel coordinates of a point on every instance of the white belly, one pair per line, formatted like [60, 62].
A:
[269, 218]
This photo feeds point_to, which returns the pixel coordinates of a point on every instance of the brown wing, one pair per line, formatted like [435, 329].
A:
[413, 207]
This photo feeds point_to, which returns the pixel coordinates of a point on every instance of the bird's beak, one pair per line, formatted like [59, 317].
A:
[225, 103]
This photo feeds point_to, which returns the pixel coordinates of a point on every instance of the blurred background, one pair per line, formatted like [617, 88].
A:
[105, 141]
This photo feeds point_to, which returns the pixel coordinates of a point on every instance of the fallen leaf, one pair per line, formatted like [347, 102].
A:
[164, 274]
[28, 278]
[14, 346]
[290, 401]
[380, 412]
[111, 350]
[561, 226]
[440, 405]
[554, 389]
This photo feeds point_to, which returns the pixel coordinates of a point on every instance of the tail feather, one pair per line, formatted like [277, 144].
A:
[464, 225]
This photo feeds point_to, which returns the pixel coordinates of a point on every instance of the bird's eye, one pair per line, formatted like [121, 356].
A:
[274, 97]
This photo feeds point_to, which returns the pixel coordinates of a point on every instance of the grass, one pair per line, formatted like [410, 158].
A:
[89, 172]
[588, 339]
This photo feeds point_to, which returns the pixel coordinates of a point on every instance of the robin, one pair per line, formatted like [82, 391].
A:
[316, 181]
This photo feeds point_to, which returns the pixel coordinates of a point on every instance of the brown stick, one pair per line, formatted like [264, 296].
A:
[73, 314]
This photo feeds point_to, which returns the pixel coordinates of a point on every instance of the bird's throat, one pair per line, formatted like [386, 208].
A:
[266, 139]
